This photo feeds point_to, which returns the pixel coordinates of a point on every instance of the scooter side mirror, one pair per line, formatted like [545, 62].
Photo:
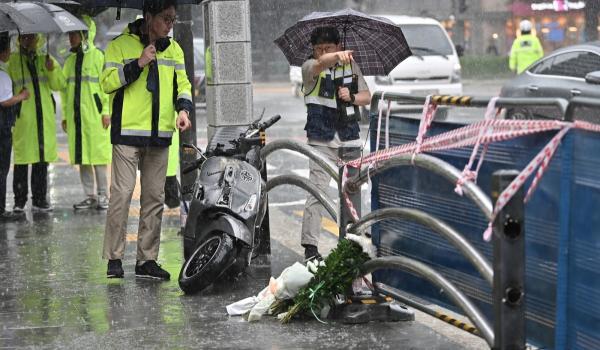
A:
[191, 146]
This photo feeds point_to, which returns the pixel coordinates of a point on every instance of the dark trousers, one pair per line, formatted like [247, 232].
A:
[5, 149]
[39, 183]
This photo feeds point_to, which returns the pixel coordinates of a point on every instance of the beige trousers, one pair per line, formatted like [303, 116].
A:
[152, 162]
[313, 209]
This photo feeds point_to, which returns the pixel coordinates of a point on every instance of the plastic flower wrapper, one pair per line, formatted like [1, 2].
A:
[284, 287]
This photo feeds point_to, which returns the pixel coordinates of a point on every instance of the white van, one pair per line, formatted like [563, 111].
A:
[434, 67]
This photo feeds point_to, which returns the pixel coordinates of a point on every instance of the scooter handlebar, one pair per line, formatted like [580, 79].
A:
[269, 122]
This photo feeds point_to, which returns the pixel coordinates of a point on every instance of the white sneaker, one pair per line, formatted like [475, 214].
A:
[102, 202]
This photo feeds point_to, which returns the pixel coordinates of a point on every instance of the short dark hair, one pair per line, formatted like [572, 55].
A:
[4, 41]
[155, 7]
[325, 35]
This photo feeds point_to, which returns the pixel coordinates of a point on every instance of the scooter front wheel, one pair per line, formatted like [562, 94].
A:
[210, 259]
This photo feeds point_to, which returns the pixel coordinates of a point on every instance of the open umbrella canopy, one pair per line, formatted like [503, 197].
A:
[132, 4]
[47, 18]
[11, 19]
[378, 44]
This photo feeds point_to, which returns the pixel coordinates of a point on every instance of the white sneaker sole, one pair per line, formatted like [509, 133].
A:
[151, 277]
[42, 210]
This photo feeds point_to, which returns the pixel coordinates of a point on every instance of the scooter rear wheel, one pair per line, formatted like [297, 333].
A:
[209, 261]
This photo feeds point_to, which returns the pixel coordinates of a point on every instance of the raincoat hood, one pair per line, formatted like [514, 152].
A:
[135, 27]
[91, 34]
[88, 36]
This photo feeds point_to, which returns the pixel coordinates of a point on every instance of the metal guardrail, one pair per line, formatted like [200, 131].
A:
[434, 165]
[472, 101]
[313, 154]
[457, 240]
[471, 190]
[576, 102]
[305, 184]
[302, 148]
[420, 269]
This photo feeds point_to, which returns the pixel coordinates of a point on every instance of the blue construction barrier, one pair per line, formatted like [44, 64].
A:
[562, 228]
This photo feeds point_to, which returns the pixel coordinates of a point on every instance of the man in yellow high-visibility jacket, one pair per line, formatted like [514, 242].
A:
[144, 73]
[525, 50]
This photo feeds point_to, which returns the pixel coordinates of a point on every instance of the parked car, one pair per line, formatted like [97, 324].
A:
[567, 72]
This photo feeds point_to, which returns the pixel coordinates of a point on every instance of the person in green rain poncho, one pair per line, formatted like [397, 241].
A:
[34, 133]
[86, 117]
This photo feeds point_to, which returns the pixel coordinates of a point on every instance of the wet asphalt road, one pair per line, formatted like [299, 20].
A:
[54, 293]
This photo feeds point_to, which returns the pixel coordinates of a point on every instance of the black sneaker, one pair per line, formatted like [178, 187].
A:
[19, 209]
[42, 206]
[8, 216]
[150, 269]
[115, 269]
[311, 252]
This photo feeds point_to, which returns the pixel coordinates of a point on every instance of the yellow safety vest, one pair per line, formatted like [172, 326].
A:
[141, 117]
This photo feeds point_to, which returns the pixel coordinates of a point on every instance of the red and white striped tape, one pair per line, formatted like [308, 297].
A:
[467, 174]
[484, 132]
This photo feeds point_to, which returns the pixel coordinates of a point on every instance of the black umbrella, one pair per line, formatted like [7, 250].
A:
[11, 19]
[96, 6]
[47, 18]
[378, 44]
[132, 4]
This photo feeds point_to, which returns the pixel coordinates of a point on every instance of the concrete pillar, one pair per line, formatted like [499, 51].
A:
[229, 63]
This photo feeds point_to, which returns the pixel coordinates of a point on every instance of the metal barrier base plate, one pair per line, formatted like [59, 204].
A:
[363, 309]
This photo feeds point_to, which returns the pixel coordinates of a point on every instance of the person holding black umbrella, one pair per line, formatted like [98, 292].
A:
[86, 116]
[144, 73]
[331, 83]
[34, 134]
[8, 111]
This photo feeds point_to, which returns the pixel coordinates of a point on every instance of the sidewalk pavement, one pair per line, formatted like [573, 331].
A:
[54, 292]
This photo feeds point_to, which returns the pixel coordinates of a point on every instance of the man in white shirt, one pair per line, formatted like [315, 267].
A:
[326, 77]
[8, 102]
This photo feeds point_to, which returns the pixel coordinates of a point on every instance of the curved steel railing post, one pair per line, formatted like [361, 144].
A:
[420, 269]
[434, 165]
[318, 157]
[306, 185]
[457, 240]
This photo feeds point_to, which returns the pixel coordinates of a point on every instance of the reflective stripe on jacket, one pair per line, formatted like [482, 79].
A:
[141, 117]
[525, 50]
[34, 134]
[322, 116]
[84, 103]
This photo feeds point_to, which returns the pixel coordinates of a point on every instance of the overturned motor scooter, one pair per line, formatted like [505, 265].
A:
[228, 205]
